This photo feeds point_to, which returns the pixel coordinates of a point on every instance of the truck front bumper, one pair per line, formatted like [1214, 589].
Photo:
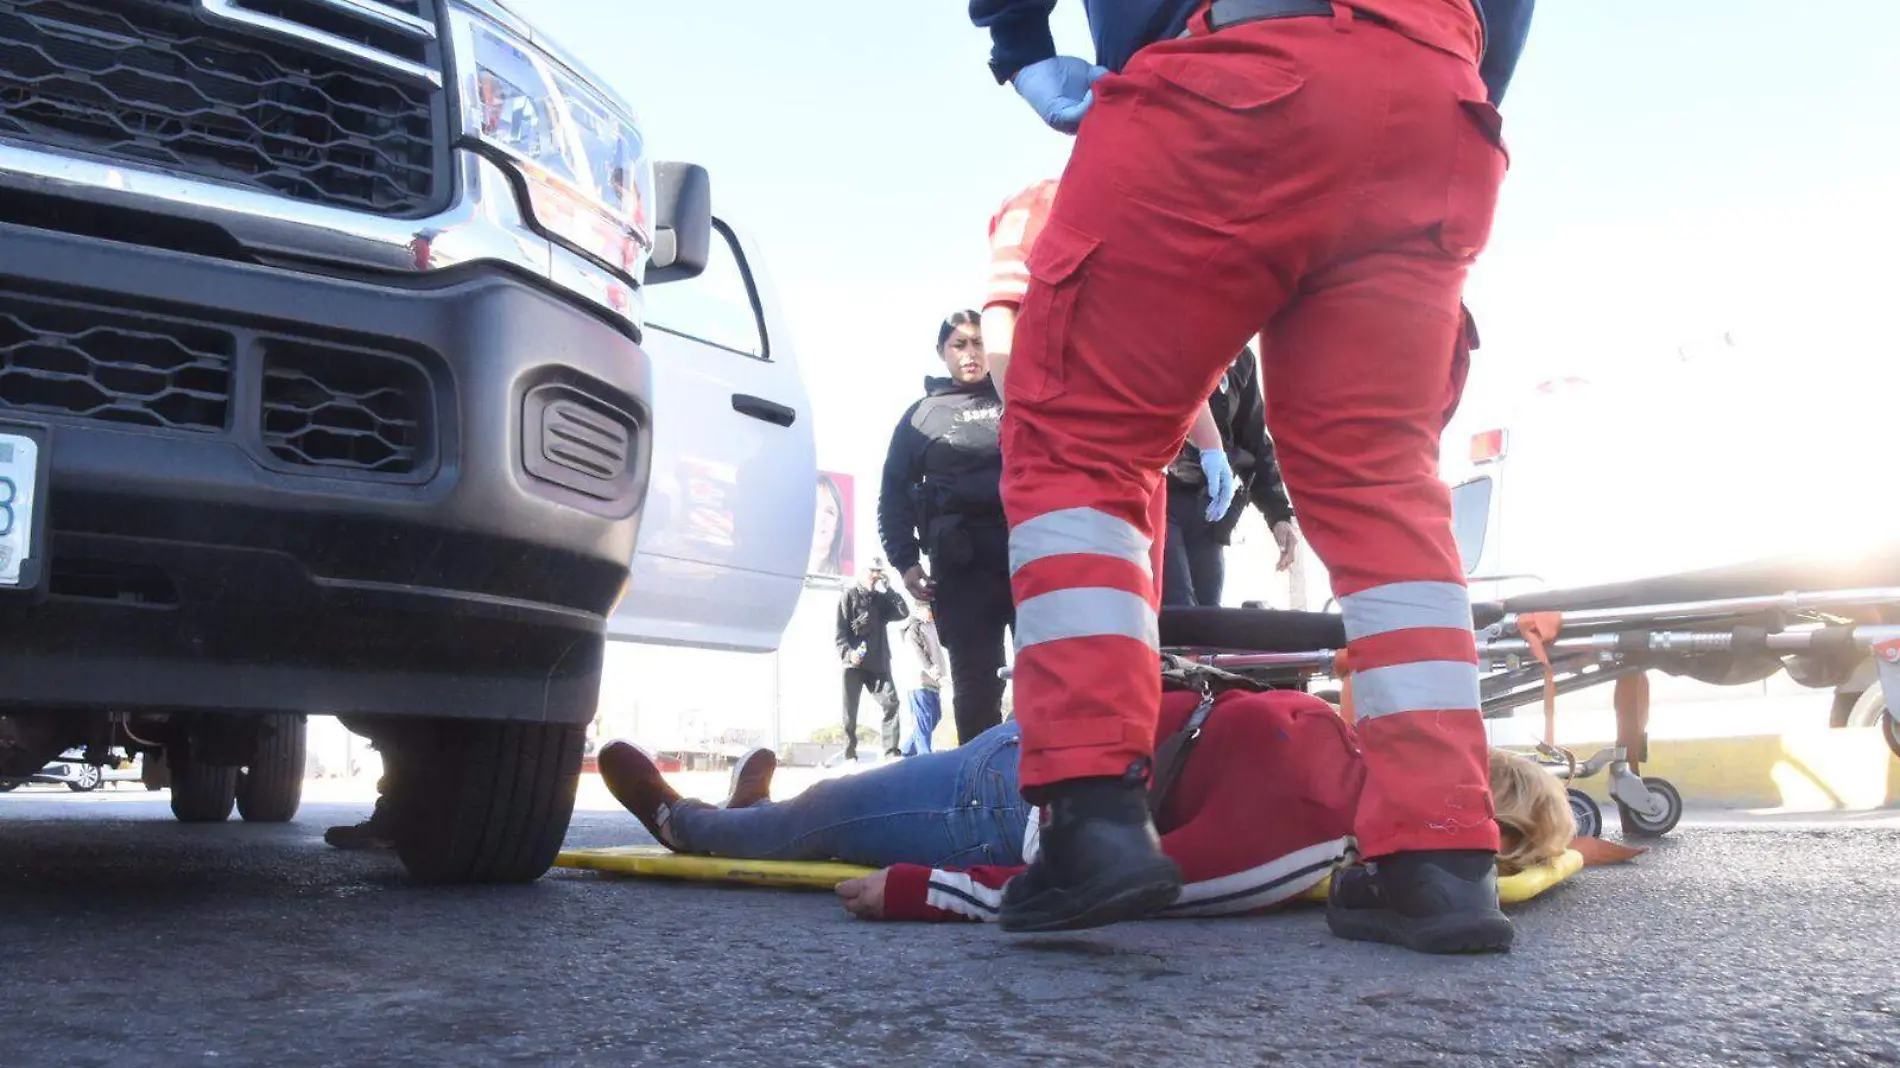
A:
[274, 491]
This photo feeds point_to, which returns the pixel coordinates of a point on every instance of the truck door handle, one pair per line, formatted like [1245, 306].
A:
[760, 408]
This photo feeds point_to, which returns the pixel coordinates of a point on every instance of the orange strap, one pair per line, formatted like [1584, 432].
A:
[1539, 630]
[1342, 669]
[1631, 701]
[1597, 853]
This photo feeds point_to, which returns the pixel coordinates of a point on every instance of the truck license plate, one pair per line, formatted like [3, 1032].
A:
[19, 494]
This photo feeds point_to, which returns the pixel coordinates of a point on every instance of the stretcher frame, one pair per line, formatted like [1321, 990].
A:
[1601, 645]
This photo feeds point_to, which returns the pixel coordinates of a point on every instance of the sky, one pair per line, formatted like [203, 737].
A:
[1682, 171]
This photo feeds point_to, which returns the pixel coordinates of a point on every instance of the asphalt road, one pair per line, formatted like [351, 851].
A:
[131, 940]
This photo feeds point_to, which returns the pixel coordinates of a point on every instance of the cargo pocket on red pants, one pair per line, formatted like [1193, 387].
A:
[1040, 356]
[1462, 349]
[1193, 145]
[1481, 161]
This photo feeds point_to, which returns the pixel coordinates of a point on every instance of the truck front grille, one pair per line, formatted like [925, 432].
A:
[296, 404]
[70, 358]
[165, 83]
[344, 408]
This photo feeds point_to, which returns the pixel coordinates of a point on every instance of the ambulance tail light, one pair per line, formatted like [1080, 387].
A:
[1487, 447]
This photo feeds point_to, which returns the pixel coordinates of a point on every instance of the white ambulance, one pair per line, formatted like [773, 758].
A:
[1713, 455]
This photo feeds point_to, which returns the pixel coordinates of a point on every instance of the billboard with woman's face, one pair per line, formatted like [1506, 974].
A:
[832, 551]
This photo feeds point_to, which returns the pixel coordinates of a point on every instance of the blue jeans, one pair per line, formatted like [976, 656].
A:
[926, 708]
[954, 809]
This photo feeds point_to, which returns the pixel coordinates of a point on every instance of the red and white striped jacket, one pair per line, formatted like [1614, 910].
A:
[1013, 232]
[1262, 811]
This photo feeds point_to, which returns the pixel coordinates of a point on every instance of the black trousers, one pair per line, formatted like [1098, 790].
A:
[1193, 566]
[857, 680]
[975, 613]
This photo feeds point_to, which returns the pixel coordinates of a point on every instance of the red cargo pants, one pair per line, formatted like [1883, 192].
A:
[1327, 182]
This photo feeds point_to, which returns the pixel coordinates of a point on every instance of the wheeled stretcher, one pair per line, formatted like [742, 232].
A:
[1825, 621]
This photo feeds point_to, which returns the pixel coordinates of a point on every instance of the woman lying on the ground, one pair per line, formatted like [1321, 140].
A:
[1262, 811]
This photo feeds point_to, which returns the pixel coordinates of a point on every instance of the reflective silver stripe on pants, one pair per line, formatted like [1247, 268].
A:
[1086, 612]
[1078, 530]
[1429, 685]
[1405, 606]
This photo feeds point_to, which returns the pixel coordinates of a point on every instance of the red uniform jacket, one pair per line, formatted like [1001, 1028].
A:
[1262, 811]
[1013, 232]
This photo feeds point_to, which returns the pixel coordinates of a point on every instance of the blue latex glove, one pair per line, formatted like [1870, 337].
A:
[1220, 483]
[1058, 88]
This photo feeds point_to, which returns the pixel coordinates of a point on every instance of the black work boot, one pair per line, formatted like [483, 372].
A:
[374, 835]
[1100, 860]
[1431, 901]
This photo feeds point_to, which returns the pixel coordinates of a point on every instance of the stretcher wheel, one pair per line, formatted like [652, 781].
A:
[1588, 814]
[1870, 709]
[1637, 825]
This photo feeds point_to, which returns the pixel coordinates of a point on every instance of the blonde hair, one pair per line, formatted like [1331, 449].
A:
[1535, 823]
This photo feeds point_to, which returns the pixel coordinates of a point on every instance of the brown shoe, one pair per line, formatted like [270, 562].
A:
[636, 782]
[752, 779]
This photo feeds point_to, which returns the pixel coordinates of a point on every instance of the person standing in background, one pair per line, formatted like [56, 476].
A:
[1194, 567]
[926, 695]
[865, 613]
[942, 498]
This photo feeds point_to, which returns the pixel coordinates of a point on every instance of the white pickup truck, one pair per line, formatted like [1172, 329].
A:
[358, 358]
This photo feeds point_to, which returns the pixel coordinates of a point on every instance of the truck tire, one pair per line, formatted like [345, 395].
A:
[202, 793]
[484, 802]
[270, 789]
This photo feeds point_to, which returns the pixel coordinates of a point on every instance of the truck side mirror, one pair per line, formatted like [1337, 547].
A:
[682, 230]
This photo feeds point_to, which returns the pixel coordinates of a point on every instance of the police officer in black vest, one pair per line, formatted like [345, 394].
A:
[942, 499]
[1194, 568]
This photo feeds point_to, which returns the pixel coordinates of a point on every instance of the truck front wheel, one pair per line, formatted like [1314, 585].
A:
[480, 802]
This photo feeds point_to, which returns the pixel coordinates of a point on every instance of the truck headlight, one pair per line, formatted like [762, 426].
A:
[579, 155]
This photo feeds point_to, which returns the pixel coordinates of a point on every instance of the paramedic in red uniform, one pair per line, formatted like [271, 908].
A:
[1324, 174]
